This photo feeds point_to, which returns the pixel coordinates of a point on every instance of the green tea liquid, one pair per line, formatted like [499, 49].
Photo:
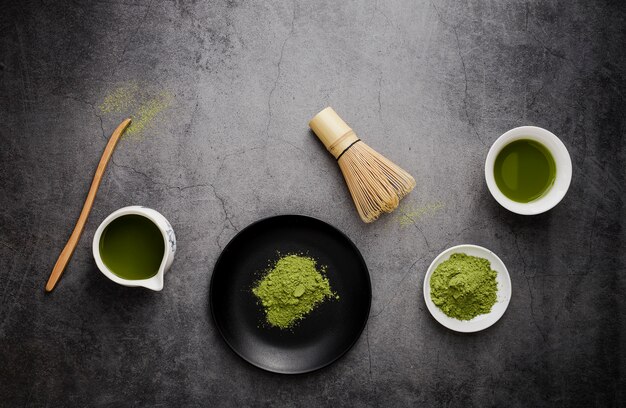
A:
[524, 170]
[132, 247]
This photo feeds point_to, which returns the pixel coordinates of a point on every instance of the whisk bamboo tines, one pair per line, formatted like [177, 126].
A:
[375, 183]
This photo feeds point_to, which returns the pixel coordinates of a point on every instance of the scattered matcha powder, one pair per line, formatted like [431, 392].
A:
[464, 286]
[121, 99]
[410, 214]
[147, 112]
[291, 289]
[140, 104]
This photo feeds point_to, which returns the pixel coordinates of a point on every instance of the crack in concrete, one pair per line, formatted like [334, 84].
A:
[278, 72]
[374, 10]
[192, 119]
[91, 105]
[423, 236]
[534, 95]
[406, 274]
[228, 221]
[386, 17]
[594, 221]
[526, 16]
[530, 291]
[465, 92]
[233, 154]
[222, 201]
[414, 222]
[553, 52]
[180, 188]
[104, 136]
[280, 139]
[4, 244]
[134, 170]
[134, 34]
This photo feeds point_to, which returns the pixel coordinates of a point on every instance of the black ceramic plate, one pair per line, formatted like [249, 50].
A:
[325, 334]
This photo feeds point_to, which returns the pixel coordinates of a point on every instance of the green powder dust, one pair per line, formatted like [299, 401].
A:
[121, 99]
[464, 286]
[147, 112]
[137, 102]
[291, 289]
[411, 214]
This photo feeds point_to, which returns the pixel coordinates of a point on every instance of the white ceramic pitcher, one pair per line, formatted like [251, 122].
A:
[155, 282]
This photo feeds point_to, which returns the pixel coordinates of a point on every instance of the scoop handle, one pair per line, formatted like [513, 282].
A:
[67, 252]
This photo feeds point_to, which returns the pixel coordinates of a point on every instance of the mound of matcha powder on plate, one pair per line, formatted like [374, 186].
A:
[464, 286]
[292, 289]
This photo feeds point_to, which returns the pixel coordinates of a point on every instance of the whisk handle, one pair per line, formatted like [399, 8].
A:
[336, 135]
[343, 144]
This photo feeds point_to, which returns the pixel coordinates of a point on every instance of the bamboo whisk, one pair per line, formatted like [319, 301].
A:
[375, 183]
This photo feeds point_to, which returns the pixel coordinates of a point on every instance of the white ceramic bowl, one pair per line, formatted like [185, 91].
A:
[480, 322]
[169, 240]
[563, 170]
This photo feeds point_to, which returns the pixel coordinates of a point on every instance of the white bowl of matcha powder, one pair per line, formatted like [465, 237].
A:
[467, 288]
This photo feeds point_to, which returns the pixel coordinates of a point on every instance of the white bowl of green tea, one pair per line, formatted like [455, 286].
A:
[528, 170]
[135, 246]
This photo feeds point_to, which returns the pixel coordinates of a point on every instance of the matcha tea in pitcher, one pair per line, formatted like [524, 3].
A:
[132, 247]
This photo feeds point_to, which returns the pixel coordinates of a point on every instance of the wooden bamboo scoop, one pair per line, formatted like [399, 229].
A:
[67, 252]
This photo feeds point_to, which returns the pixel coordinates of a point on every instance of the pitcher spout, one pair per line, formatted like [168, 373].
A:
[156, 282]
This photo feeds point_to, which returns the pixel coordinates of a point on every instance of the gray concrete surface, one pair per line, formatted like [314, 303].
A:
[429, 84]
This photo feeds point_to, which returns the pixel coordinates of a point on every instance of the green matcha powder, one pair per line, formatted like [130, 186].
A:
[292, 289]
[464, 286]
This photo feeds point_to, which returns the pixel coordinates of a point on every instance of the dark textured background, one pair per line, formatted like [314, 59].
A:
[429, 84]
